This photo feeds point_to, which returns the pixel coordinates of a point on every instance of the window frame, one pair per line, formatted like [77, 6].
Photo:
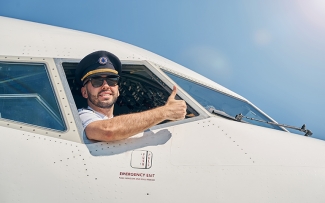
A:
[55, 78]
[163, 78]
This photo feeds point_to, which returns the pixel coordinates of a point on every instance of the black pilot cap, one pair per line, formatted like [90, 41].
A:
[97, 63]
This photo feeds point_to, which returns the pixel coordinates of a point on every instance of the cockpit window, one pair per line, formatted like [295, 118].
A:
[210, 98]
[139, 88]
[26, 95]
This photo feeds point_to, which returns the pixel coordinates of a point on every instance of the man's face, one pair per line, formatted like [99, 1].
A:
[104, 96]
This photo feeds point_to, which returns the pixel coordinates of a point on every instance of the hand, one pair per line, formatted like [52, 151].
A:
[175, 109]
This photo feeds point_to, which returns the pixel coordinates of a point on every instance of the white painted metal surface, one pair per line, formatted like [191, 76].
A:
[210, 159]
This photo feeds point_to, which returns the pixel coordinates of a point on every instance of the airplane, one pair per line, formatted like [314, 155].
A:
[225, 150]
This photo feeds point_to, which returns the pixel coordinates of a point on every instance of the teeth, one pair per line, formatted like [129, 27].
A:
[105, 94]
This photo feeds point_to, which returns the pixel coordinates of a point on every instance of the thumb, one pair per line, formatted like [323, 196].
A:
[173, 94]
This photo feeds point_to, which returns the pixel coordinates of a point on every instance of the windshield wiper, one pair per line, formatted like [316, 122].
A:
[223, 114]
[307, 132]
[239, 118]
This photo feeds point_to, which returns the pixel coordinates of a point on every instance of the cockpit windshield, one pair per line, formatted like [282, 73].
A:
[210, 98]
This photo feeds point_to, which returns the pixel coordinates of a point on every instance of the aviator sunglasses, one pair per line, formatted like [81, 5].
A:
[99, 81]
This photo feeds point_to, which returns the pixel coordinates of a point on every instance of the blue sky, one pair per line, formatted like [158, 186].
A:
[270, 52]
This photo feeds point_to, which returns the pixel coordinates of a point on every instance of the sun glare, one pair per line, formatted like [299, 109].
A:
[314, 11]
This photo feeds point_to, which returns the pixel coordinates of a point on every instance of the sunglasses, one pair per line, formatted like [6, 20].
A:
[99, 81]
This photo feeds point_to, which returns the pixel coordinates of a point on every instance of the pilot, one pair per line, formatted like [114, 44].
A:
[98, 74]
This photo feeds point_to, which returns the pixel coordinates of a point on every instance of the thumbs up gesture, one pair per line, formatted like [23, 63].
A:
[175, 109]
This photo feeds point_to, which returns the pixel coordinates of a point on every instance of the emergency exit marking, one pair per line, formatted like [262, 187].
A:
[141, 159]
[137, 176]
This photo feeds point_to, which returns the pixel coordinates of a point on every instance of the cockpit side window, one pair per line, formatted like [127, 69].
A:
[229, 105]
[27, 96]
[139, 88]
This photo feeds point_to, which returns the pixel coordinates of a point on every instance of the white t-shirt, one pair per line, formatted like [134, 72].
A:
[89, 115]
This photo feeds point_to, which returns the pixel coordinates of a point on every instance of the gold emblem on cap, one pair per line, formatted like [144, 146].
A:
[99, 71]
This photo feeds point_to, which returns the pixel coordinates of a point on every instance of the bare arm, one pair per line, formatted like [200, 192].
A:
[124, 126]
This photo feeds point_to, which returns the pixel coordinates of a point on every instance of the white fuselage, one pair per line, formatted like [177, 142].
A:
[206, 158]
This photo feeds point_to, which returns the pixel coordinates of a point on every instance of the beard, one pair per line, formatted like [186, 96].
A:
[106, 104]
